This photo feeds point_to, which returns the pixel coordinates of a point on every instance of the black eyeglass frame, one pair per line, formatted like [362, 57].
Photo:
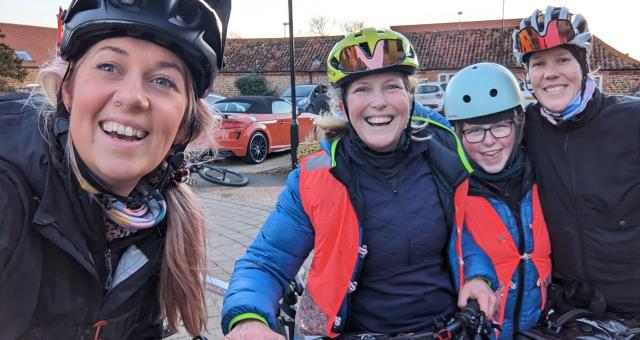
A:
[510, 124]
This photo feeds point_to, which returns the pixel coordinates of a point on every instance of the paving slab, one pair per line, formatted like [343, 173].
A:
[234, 217]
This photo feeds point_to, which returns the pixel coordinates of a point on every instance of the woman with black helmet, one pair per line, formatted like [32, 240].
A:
[376, 206]
[99, 237]
[585, 149]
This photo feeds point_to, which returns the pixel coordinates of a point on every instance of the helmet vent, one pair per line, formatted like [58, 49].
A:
[186, 14]
[466, 98]
[365, 48]
[79, 6]
[493, 92]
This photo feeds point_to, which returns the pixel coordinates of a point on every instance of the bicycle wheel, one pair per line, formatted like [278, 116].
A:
[223, 176]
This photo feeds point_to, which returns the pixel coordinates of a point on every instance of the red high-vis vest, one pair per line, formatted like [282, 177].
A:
[490, 233]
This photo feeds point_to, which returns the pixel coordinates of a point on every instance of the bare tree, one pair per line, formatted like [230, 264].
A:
[320, 26]
[348, 26]
[233, 35]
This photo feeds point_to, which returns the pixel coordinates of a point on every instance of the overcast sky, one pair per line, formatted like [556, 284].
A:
[617, 22]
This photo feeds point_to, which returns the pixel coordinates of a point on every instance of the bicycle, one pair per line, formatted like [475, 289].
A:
[288, 304]
[218, 175]
[469, 323]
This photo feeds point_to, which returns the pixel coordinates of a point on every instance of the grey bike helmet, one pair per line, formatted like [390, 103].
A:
[554, 27]
[195, 30]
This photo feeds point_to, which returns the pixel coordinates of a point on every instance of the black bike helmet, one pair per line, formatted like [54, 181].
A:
[195, 30]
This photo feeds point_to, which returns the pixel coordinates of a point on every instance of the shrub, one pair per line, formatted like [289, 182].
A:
[254, 84]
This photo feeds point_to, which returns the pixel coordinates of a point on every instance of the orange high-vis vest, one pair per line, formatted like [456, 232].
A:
[337, 244]
[491, 234]
[326, 201]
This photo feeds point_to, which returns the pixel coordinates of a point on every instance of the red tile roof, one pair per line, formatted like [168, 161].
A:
[39, 42]
[439, 50]
[450, 26]
[272, 54]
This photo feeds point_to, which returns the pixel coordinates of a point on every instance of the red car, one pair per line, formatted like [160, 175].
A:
[253, 126]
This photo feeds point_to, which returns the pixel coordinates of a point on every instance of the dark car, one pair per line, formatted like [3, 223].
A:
[311, 97]
[253, 126]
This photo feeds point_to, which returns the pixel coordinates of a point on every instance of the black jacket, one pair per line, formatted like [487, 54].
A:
[53, 246]
[588, 171]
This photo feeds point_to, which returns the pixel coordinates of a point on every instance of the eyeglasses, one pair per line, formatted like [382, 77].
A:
[498, 131]
[559, 32]
[355, 58]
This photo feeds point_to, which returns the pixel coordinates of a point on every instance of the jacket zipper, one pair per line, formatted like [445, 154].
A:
[109, 267]
[521, 264]
[87, 255]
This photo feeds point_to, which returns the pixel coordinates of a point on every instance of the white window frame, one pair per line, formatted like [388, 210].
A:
[598, 79]
[23, 55]
[445, 77]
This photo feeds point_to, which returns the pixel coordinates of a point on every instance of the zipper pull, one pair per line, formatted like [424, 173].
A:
[107, 262]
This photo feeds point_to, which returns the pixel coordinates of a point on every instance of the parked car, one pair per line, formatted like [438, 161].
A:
[311, 97]
[213, 98]
[431, 94]
[527, 97]
[253, 126]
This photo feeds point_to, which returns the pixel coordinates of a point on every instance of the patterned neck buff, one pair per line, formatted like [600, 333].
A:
[577, 105]
[144, 216]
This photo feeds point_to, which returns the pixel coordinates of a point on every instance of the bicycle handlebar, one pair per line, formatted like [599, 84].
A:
[469, 323]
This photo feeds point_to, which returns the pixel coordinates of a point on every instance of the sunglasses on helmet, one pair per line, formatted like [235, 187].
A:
[559, 32]
[356, 58]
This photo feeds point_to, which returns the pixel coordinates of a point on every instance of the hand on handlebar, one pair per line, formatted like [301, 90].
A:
[252, 330]
[479, 290]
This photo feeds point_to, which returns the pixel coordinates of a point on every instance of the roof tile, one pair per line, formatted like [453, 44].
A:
[438, 50]
[39, 42]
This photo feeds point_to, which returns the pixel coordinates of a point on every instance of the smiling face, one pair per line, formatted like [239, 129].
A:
[126, 99]
[492, 153]
[556, 78]
[379, 107]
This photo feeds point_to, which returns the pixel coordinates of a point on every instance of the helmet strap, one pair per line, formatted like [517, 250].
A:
[407, 130]
[344, 103]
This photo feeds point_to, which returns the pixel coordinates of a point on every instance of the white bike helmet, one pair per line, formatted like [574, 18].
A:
[554, 27]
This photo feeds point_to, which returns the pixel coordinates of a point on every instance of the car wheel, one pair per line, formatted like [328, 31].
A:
[257, 149]
[310, 109]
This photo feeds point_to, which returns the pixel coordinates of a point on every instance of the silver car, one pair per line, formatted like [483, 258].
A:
[527, 97]
[431, 94]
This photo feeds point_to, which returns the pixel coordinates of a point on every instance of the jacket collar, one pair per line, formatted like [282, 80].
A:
[64, 208]
[590, 112]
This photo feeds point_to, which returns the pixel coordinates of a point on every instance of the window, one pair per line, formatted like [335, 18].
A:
[23, 55]
[280, 107]
[445, 77]
[598, 79]
[232, 106]
[427, 89]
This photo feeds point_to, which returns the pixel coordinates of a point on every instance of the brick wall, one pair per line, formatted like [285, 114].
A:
[613, 82]
[621, 82]
[224, 83]
[32, 73]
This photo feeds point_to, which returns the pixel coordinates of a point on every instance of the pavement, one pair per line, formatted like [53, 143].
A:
[234, 217]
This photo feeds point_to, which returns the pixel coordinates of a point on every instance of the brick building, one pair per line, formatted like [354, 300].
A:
[442, 49]
[34, 45]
